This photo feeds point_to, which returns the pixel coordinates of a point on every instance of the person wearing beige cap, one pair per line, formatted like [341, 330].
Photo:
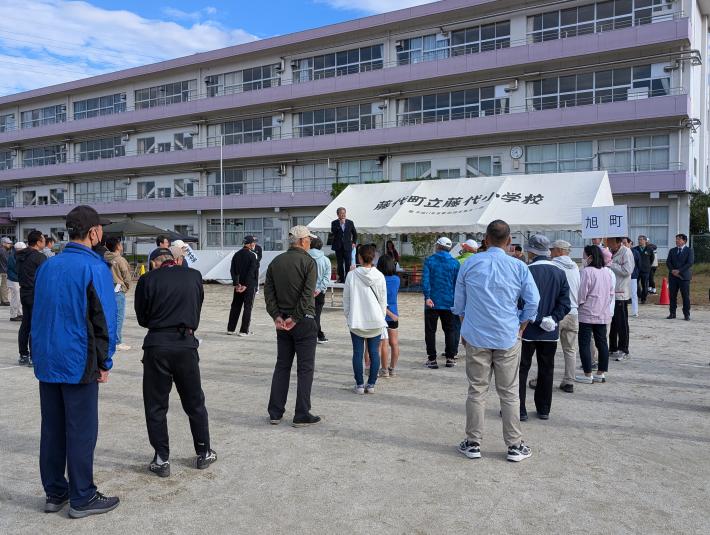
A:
[289, 294]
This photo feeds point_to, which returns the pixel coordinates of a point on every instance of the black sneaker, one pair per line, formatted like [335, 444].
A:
[431, 364]
[274, 421]
[24, 360]
[305, 421]
[519, 453]
[323, 340]
[532, 383]
[670, 317]
[161, 470]
[567, 388]
[16, 318]
[472, 450]
[450, 363]
[54, 504]
[98, 505]
[205, 459]
[523, 416]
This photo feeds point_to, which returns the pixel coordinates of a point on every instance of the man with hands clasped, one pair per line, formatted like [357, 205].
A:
[245, 277]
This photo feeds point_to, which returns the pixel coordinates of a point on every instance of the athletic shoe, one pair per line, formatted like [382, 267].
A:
[543, 416]
[686, 318]
[431, 364]
[384, 372]
[123, 347]
[359, 389]
[620, 357]
[323, 340]
[392, 373]
[274, 421]
[569, 388]
[532, 383]
[98, 505]
[586, 379]
[523, 415]
[307, 420]
[250, 333]
[54, 504]
[370, 389]
[450, 363]
[30, 362]
[230, 333]
[519, 453]
[162, 470]
[599, 378]
[16, 318]
[670, 317]
[23, 360]
[472, 450]
[205, 459]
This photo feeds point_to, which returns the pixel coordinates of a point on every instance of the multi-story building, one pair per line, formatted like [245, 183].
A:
[459, 88]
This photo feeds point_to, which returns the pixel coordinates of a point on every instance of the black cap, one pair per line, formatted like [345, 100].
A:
[82, 218]
[249, 239]
[162, 251]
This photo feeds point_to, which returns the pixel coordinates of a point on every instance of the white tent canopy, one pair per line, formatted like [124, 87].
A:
[544, 202]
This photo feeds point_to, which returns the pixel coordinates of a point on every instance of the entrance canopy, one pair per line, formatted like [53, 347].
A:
[544, 202]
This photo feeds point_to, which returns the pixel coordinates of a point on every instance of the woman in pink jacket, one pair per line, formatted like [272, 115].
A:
[596, 292]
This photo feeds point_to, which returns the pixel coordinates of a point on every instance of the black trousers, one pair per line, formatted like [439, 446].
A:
[23, 335]
[70, 425]
[300, 342]
[545, 352]
[245, 299]
[320, 302]
[643, 281]
[448, 325]
[652, 278]
[584, 339]
[675, 284]
[344, 259]
[619, 331]
[161, 367]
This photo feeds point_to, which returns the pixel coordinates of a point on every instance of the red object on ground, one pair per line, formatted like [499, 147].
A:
[664, 299]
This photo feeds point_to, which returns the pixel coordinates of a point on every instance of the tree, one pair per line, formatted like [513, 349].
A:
[699, 204]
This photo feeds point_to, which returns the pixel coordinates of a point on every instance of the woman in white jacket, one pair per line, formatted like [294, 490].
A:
[365, 305]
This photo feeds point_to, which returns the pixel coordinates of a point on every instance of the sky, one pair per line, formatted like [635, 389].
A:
[45, 42]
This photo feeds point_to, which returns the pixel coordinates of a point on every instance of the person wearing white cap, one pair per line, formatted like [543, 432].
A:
[438, 284]
[5, 248]
[13, 283]
[468, 249]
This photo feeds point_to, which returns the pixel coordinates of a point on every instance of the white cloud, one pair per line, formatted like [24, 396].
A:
[374, 6]
[45, 42]
[179, 14]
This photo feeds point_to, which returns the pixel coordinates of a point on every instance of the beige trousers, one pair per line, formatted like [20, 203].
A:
[480, 364]
[569, 329]
[4, 297]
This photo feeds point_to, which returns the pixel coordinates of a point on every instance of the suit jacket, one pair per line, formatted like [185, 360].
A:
[682, 261]
[343, 240]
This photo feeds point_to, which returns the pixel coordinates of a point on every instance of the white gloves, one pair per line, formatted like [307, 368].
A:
[548, 324]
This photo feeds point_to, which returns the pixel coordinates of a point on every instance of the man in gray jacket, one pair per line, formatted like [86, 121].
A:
[622, 264]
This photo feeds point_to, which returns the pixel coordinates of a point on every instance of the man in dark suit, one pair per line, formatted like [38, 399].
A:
[344, 235]
[680, 263]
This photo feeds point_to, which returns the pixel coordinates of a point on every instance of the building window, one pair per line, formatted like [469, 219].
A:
[7, 199]
[312, 177]
[425, 48]
[448, 173]
[5, 160]
[7, 122]
[267, 230]
[416, 170]
[483, 166]
[100, 191]
[244, 80]
[340, 119]
[42, 116]
[182, 141]
[464, 104]
[184, 230]
[98, 106]
[651, 221]
[29, 198]
[98, 149]
[480, 38]
[559, 157]
[7, 230]
[599, 17]
[56, 195]
[627, 83]
[162, 95]
[184, 187]
[50, 155]
[359, 171]
[368, 58]
[146, 145]
[146, 190]
[641, 153]
[238, 181]
[244, 131]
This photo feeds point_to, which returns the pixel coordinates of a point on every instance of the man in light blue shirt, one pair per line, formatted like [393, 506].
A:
[495, 297]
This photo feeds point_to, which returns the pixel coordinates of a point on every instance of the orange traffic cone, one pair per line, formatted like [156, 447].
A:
[664, 299]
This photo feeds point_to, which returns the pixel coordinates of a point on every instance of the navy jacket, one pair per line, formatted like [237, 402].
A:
[439, 279]
[73, 318]
[682, 261]
[637, 263]
[12, 267]
[342, 241]
[551, 282]
[245, 268]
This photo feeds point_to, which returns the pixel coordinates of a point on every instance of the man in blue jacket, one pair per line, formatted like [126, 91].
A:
[438, 284]
[73, 339]
[542, 334]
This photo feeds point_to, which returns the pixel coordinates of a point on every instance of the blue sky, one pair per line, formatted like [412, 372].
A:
[44, 42]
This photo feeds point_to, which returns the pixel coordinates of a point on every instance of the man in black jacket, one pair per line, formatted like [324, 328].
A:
[646, 256]
[245, 277]
[168, 301]
[344, 235]
[680, 270]
[28, 260]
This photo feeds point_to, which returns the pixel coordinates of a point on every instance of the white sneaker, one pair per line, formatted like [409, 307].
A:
[230, 333]
[245, 334]
[370, 389]
[621, 356]
[123, 347]
[359, 389]
[586, 379]
[599, 378]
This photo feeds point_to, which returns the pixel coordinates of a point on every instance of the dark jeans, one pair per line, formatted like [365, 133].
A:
[584, 338]
[70, 425]
[344, 259]
[643, 286]
[301, 342]
[448, 325]
[246, 299]
[675, 284]
[545, 367]
[652, 278]
[23, 336]
[373, 348]
[320, 301]
[162, 366]
[619, 331]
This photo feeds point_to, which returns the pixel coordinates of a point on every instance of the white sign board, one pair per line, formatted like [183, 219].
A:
[190, 256]
[605, 221]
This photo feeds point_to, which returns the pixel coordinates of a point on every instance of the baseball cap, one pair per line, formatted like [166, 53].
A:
[472, 244]
[538, 244]
[179, 243]
[249, 239]
[444, 242]
[301, 231]
[176, 251]
[83, 217]
[20, 245]
[6, 240]
[561, 244]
